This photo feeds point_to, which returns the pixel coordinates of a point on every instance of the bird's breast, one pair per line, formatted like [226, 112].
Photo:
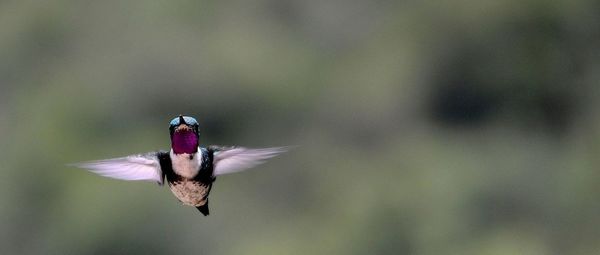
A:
[185, 165]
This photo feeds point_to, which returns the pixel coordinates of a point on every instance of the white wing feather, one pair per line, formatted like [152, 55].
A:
[131, 168]
[239, 159]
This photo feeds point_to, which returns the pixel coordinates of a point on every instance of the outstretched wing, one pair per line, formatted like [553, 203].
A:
[236, 159]
[143, 167]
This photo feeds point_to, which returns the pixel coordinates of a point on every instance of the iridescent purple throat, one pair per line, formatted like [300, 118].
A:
[184, 142]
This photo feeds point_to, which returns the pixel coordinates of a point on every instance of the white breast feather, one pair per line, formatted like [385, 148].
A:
[184, 165]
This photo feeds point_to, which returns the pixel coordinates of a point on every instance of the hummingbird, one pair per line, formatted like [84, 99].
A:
[188, 169]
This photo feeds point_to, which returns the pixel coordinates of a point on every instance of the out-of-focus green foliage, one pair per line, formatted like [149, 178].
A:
[424, 127]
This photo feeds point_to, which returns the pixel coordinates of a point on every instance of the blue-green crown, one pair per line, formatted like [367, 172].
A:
[188, 120]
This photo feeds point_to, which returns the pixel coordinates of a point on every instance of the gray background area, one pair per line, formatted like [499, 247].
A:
[424, 127]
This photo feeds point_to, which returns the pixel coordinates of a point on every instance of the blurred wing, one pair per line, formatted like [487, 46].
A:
[236, 159]
[144, 167]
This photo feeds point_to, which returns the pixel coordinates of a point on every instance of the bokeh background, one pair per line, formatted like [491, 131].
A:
[424, 127]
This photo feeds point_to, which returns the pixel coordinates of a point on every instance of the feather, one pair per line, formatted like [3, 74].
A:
[236, 159]
[143, 167]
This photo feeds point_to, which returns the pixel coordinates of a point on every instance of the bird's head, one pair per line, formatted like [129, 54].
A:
[184, 135]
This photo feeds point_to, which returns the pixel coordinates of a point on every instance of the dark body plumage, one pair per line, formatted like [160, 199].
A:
[193, 191]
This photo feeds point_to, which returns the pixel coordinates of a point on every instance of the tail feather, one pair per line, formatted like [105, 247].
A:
[203, 209]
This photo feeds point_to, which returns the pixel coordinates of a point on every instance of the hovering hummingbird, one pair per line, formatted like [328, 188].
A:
[188, 169]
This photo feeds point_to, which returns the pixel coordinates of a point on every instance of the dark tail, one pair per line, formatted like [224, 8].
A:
[203, 209]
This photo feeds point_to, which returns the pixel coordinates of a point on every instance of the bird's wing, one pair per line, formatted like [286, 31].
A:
[143, 167]
[236, 159]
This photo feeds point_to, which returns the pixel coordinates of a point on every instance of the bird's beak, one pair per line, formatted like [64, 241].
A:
[181, 120]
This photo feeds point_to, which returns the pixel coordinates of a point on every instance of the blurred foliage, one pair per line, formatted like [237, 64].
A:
[424, 127]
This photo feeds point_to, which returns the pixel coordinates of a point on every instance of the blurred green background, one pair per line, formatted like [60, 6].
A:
[424, 127]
